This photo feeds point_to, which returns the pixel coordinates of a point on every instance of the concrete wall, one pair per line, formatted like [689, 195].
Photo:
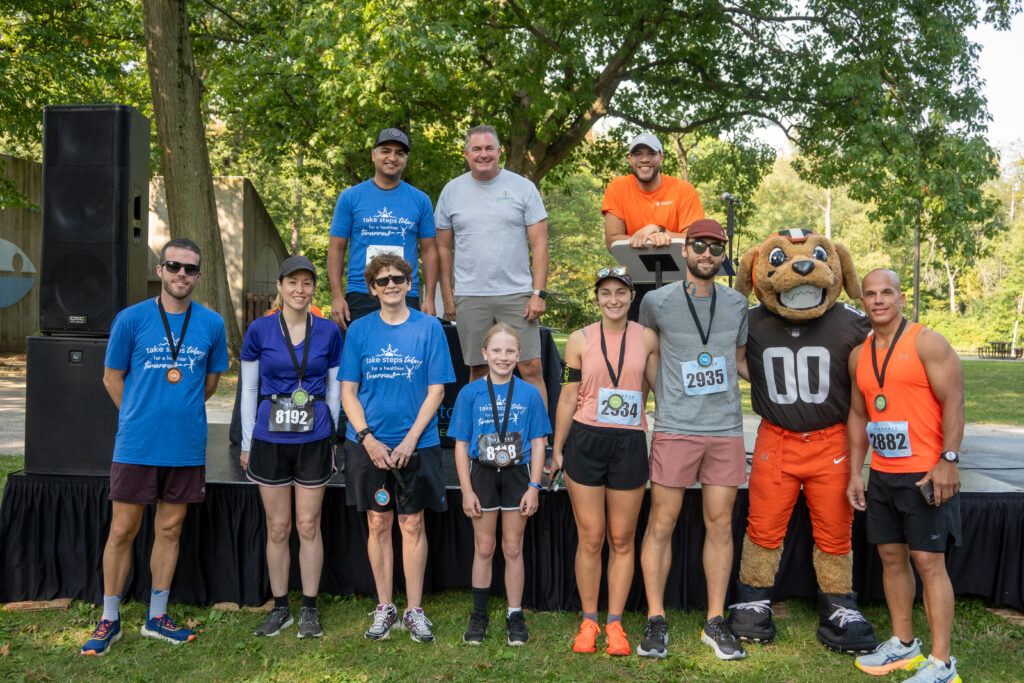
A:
[253, 249]
[21, 239]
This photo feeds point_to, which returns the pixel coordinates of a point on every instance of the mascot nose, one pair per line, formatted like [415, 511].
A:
[803, 267]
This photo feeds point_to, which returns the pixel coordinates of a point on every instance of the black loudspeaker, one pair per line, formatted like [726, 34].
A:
[70, 421]
[95, 216]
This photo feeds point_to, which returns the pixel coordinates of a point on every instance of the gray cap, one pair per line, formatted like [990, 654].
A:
[295, 263]
[646, 139]
[392, 135]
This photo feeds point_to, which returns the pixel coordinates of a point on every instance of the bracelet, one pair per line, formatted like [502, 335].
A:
[535, 485]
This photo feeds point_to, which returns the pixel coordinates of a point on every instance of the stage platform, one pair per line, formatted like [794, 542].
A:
[53, 528]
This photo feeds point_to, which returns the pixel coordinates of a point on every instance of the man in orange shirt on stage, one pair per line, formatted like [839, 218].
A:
[647, 206]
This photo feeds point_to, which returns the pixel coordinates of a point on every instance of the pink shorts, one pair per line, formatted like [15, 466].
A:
[680, 460]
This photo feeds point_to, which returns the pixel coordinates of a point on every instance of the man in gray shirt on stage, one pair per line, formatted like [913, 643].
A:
[499, 228]
[698, 429]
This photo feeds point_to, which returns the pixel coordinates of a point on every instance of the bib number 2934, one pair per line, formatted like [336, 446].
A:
[619, 407]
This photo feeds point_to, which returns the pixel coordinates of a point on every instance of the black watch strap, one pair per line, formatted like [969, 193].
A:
[950, 456]
[362, 434]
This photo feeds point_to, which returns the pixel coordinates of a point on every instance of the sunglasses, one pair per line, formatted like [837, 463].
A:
[173, 267]
[617, 270]
[700, 247]
[397, 279]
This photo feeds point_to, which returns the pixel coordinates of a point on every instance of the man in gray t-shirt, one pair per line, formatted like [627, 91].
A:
[698, 429]
[498, 225]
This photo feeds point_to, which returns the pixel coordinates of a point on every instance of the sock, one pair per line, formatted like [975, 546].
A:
[480, 600]
[612, 618]
[111, 607]
[309, 601]
[158, 603]
[908, 644]
[512, 610]
[281, 601]
[592, 617]
[948, 664]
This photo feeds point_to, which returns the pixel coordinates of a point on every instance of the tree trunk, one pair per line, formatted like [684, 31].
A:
[191, 206]
[828, 212]
[297, 199]
[951, 280]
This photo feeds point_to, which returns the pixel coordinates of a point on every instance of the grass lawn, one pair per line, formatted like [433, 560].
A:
[994, 391]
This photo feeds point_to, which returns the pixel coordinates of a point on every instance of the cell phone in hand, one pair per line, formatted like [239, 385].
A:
[928, 492]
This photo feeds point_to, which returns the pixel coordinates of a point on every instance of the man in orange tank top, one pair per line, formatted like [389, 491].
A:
[908, 405]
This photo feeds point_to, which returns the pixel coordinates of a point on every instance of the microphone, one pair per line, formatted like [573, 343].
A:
[726, 197]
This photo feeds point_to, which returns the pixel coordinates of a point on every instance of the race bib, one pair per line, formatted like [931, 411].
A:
[619, 407]
[890, 439]
[493, 452]
[285, 416]
[710, 379]
[378, 249]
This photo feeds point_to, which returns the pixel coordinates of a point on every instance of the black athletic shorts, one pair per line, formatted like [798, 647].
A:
[898, 513]
[606, 456]
[499, 488]
[147, 484]
[362, 304]
[282, 464]
[417, 486]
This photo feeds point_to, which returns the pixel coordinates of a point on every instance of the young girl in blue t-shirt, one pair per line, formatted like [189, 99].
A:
[497, 422]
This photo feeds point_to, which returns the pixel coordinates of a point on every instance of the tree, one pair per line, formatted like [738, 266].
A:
[191, 206]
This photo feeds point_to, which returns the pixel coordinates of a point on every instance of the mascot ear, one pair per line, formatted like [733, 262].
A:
[745, 273]
[851, 282]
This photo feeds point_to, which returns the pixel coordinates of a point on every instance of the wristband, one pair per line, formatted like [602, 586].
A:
[362, 434]
[535, 485]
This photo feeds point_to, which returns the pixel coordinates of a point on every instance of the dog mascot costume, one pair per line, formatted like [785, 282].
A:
[798, 346]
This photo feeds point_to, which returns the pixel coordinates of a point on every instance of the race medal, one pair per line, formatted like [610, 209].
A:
[173, 375]
[502, 457]
[382, 497]
[615, 401]
[705, 359]
[300, 396]
[881, 403]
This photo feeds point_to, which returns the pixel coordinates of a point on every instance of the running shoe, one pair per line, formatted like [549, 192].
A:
[932, 670]
[418, 625]
[477, 629]
[385, 618]
[586, 639]
[717, 634]
[618, 645]
[515, 624]
[106, 634]
[278, 619]
[889, 656]
[655, 639]
[163, 628]
[309, 623]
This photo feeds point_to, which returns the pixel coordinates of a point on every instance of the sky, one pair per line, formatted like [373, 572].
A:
[1000, 63]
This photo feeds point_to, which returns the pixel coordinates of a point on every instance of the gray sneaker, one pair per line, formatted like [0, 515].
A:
[385, 618]
[418, 625]
[932, 670]
[277, 620]
[309, 623]
[890, 656]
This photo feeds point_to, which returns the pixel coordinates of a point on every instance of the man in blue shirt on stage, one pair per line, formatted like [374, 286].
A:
[382, 215]
[163, 361]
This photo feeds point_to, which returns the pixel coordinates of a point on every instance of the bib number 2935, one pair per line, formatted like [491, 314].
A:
[698, 379]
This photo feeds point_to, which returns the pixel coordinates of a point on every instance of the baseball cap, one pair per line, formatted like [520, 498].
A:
[295, 263]
[392, 135]
[645, 139]
[706, 227]
[620, 273]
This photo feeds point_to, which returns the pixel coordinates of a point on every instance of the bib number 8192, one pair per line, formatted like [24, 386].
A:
[290, 417]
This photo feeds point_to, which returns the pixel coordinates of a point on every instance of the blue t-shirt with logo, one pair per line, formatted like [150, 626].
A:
[160, 423]
[472, 415]
[394, 365]
[376, 221]
[265, 342]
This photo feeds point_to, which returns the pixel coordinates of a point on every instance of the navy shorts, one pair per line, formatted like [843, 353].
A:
[898, 513]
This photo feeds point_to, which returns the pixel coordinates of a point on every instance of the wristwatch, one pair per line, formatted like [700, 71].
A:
[950, 456]
[362, 434]
[541, 293]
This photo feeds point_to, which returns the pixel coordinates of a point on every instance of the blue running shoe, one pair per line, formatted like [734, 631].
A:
[163, 628]
[106, 634]
[933, 670]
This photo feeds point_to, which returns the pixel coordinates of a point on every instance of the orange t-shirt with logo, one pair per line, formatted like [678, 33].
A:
[908, 398]
[674, 205]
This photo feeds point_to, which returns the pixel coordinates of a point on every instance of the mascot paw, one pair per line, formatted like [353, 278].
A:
[750, 618]
[841, 625]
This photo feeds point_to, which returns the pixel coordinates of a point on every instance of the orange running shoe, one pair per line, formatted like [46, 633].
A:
[617, 643]
[586, 639]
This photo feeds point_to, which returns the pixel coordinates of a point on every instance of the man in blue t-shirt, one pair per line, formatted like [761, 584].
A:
[381, 215]
[163, 361]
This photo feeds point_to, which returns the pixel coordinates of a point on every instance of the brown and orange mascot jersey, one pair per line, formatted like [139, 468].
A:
[798, 347]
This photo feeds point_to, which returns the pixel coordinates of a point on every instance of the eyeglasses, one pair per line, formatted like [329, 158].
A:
[173, 267]
[617, 270]
[699, 246]
[397, 279]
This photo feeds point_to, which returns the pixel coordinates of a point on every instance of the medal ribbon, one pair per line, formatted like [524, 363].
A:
[300, 372]
[622, 356]
[693, 312]
[494, 405]
[880, 376]
[175, 350]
